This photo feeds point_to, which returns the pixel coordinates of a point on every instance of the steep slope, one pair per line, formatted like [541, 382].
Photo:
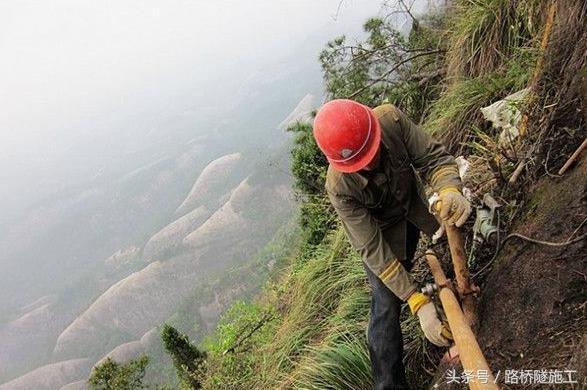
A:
[208, 189]
[533, 303]
[51, 377]
[77, 385]
[62, 240]
[168, 240]
[137, 287]
[126, 310]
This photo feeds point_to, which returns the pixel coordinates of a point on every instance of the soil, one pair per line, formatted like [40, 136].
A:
[533, 307]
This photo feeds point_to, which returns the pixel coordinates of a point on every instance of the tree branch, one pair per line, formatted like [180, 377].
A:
[390, 71]
[266, 318]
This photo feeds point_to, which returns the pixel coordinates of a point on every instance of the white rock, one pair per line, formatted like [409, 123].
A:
[206, 186]
[170, 237]
[51, 377]
[301, 113]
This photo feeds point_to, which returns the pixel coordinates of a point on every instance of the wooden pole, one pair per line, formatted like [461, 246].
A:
[573, 157]
[465, 288]
[470, 353]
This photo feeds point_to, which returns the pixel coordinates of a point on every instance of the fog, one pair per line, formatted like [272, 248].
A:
[75, 72]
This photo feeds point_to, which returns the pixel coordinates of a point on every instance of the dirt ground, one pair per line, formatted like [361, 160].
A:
[533, 309]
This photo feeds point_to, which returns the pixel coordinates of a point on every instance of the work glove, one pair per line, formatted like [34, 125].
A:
[435, 330]
[453, 206]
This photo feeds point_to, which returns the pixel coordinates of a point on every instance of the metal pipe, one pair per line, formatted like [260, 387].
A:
[470, 354]
[465, 288]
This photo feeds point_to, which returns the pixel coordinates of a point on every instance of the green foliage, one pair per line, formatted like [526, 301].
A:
[232, 358]
[485, 33]
[323, 305]
[362, 71]
[456, 112]
[308, 163]
[248, 278]
[323, 298]
[386, 67]
[309, 168]
[316, 219]
[111, 375]
[318, 337]
[187, 358]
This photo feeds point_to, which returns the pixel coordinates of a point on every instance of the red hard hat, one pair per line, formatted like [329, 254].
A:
[348, 133]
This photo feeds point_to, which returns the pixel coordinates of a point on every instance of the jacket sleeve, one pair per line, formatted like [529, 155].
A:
[366, 237]
[429, 156]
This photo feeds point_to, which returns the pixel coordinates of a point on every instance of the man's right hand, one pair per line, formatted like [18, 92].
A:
[437, 332]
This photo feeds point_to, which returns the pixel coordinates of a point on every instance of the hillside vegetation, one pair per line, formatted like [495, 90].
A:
[306, 330]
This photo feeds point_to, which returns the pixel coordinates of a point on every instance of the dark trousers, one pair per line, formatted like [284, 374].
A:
[385, 341]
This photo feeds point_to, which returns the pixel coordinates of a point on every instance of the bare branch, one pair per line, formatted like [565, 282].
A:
[390, 71]
[266, 318]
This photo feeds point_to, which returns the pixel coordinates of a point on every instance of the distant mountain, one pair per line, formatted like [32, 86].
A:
[234, 207]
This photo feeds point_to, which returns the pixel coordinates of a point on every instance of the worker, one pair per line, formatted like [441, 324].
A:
[377, 160]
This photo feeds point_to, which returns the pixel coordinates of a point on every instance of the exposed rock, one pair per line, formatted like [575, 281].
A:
[131, 350]
[129, 308]
[150, 338]
[124, 352]
[51, 377]
[210, 184]
[168, 239]
[28, 338]
[223, 224]
[123, 257]
[301, 113]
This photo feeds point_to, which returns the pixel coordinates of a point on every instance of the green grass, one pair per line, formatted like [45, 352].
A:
[483, 34]
[343, 364]
[317, 338]
[454, 115]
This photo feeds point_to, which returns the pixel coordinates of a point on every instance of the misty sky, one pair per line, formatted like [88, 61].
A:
[74, 71]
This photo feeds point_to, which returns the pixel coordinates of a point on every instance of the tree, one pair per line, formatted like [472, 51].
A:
[187, 358]
[386, 66]
[308, 166]
[111, 375]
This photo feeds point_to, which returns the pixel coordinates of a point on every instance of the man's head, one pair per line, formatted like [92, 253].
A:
[348, 133]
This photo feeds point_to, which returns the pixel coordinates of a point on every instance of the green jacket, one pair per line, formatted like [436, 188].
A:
[375, 205]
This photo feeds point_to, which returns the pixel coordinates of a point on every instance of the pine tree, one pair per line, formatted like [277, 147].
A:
[187, 358]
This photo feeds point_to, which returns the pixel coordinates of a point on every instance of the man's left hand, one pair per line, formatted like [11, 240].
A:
[453, 206]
